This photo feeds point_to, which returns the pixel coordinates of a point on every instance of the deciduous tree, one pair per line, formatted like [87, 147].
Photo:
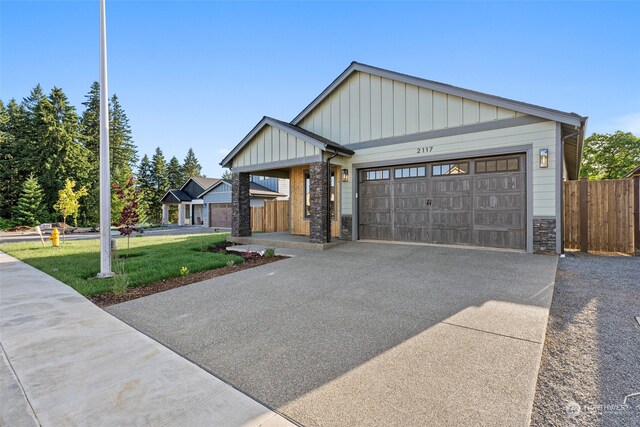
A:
[69, 201]
[610, 156]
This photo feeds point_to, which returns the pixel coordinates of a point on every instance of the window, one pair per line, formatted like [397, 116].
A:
[376, 175]
[450, 169]
[411, 172]
[307, 196]
[498, 165]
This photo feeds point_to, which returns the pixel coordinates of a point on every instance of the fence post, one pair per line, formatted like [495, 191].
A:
[636, 214]
[584, 215]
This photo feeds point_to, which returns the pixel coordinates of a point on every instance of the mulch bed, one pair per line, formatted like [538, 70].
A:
[251, 260]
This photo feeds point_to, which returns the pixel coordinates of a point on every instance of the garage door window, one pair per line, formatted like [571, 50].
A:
[450, 169]
[410, 172]
[498, 165]
[376, 175]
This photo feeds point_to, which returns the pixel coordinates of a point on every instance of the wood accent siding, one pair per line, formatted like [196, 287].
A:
[273, 145]
[300, 225]
[367, 107]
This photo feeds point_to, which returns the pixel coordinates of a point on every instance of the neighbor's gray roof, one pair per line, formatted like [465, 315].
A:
[523, 107]
[310, 137]
[202, 181]
[178, 195]
[255, 189]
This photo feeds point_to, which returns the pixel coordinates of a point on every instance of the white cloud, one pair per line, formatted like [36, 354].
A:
[223, 151]
[629, 123]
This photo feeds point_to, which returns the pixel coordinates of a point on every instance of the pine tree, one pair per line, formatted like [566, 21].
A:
[191, 167]
[123, 151]
[175, 174]
[30, 209]
[60, 154]
[159, 183]
[90, 134]
[146, 189]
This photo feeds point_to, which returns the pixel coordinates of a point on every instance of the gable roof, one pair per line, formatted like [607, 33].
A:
[201, 181]
[255, 189]
[319, 141]
[636, 171]
[175, 196]
[523, 107]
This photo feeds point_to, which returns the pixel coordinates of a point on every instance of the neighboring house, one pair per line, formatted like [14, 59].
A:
[279, 185]
[217, 201]
[417, 161]
[635, 172]
[205, 201]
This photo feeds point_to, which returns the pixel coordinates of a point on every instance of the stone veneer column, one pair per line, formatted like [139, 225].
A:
[544, 235]
[346, 226]
[240, 206]
[318, 227]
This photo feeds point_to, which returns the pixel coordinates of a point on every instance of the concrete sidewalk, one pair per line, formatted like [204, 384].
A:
[65, 361]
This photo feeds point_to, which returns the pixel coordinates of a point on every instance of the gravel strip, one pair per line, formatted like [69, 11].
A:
[591, 357]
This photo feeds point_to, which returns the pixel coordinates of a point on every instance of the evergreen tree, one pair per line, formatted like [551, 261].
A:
[90, 134]
[30, 209]
[146, 190]
[122, 149]
[18, 150]
[174, 173]
[60, 155]
[226, 175]
[159, 184]
[191, 167]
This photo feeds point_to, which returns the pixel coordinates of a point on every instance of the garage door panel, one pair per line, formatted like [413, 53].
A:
[220, 215]
[481, 209]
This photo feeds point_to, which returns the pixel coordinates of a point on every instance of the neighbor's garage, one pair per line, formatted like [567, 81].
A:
[478, 202]
[220, 215]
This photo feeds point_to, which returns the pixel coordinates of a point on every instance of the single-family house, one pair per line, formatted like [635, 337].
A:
[207, 201]
[381, 155]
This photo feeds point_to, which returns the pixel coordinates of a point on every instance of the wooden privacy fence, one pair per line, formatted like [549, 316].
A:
[599, 215]
[274, 216]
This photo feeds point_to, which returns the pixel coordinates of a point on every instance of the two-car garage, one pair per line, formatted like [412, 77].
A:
[478, 202]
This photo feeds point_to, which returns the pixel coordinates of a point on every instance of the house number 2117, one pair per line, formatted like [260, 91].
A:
[424, 150]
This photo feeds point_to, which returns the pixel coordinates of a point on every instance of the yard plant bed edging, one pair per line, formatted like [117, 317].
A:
[110, 298]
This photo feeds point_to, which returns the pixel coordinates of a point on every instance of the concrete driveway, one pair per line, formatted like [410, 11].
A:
[369, 334]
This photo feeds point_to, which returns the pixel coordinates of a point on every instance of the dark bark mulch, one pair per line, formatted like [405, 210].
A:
[251, 260]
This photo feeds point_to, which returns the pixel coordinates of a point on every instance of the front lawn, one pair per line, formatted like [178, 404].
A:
[151, 259]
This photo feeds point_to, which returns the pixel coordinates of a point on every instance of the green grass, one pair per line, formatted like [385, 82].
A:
[151, 258]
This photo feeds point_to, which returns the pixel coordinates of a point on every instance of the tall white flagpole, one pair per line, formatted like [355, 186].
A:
[105, 175]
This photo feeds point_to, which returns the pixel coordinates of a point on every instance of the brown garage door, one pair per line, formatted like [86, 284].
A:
[480, 202]
[220, 215]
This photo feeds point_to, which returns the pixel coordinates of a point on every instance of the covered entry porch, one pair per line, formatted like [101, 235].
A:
[310, 162]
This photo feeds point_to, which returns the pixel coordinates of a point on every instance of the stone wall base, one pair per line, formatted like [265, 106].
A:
[346, 227]
[544, 235]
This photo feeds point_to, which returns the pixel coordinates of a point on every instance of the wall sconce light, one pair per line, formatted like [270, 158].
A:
[345, 175]
[544, 157]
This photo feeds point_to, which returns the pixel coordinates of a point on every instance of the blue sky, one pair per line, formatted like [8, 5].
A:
[203, 73]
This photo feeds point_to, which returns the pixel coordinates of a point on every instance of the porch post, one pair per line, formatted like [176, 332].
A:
[240, 206]
[318, 191]
[180, 214]
[165, 214]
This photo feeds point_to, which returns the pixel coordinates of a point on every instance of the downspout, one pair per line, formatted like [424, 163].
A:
[562, 186]
[335, 153]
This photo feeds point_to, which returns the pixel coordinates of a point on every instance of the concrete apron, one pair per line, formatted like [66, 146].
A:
[65, 361]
